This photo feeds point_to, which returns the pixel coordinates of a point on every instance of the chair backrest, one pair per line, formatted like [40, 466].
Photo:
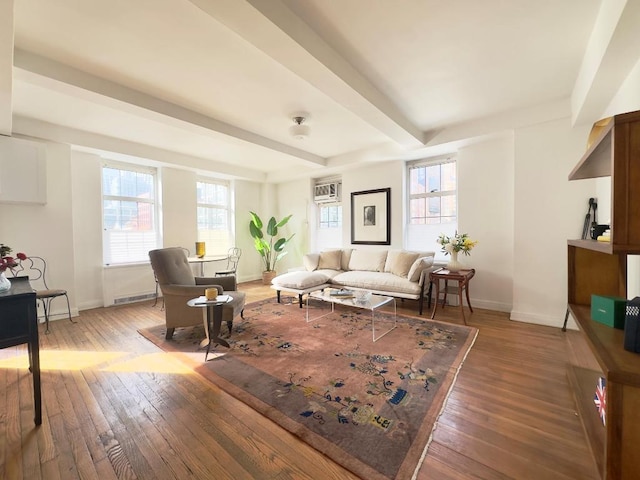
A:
[35, 268]
[171, 267]
[233, 259]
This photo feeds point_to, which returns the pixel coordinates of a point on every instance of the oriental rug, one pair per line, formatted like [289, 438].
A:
[370, 407]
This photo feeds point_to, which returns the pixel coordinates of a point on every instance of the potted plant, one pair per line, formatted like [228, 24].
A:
[270, 249]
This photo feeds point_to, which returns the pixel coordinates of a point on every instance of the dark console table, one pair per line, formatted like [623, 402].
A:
[18, 325]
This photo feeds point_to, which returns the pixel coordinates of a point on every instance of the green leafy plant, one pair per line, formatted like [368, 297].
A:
[270, 249]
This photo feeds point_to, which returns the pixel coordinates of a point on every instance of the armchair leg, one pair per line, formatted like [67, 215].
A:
[242, 314]
[169, 334]
[278, 295]
[300, 299]
[230, 326]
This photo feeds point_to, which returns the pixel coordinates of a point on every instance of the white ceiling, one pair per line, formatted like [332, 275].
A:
[213, 84]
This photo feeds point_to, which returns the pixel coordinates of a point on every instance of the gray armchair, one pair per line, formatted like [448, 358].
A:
[179, 285]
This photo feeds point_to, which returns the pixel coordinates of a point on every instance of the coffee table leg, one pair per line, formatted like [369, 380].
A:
[311, 299]
[373, 321]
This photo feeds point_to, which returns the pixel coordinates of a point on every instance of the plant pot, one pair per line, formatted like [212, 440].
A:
[267, 276]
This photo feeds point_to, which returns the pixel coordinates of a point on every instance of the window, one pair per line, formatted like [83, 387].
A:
[330, 216]
[129, 215]
[214, 216]
[432, 193]
[431, 207]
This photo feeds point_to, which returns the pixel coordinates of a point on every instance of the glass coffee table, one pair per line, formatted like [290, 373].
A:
[317, 306]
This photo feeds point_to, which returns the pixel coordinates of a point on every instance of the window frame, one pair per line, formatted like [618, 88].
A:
[228, 208]
[431, 162]
[328, 224]
[107, 251]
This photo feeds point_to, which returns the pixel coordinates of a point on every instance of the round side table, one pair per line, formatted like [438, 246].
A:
[213, 319]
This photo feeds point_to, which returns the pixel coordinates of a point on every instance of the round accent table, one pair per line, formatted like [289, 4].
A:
[212, 319]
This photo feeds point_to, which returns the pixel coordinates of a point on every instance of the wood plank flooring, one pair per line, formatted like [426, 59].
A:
[116, 407]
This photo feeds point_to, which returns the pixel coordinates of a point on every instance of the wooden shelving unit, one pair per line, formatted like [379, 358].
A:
[601, 269]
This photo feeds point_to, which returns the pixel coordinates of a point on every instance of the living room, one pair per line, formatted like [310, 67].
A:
[513, 193]
[513, 198]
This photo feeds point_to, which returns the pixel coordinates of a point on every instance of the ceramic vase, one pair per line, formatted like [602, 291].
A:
[5, 284]
[454, 265]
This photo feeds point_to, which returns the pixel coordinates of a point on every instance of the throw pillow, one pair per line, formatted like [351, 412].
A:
[368, 260]
[330, 260]
[399, 262]
[418, 266]
[310, 261]
[346, 256]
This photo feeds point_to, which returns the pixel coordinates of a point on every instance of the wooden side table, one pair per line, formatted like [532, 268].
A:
[463, 277]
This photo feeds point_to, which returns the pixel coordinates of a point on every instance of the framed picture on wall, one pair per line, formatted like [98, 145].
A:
[371, 217]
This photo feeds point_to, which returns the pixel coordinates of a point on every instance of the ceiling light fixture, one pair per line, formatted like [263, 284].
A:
[299, 131]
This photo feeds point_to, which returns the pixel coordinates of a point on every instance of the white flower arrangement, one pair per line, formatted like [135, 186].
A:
[460, 242]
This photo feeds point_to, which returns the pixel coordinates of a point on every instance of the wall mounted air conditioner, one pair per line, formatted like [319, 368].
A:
[327, 192]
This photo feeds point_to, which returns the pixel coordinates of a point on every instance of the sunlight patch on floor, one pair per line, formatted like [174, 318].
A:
[151, 362]
[115, 361]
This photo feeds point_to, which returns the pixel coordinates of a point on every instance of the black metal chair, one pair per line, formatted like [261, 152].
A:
[233, 259]
[35, 268]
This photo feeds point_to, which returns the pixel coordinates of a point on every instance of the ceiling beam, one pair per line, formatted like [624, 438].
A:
[57, 133]
[609, 58]
[139, 103]
[273, 28]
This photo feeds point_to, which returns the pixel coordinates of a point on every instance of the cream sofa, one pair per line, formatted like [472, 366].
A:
[396, 273]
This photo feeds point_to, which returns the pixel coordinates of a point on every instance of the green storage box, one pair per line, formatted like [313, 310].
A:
[608, 310]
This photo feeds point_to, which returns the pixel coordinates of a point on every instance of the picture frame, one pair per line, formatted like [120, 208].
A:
[371, 217]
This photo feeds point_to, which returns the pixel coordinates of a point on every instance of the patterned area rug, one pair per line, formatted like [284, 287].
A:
[369, 406]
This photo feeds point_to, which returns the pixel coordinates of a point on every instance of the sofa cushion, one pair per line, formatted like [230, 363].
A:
[421, 263]
[310, 261]
[300, 280]
[330, 259]
[399, 262]
[368, 260]
[346, 257]
[377, 281]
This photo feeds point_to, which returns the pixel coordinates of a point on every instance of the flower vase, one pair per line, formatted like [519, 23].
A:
[5, 283]
[454, 265]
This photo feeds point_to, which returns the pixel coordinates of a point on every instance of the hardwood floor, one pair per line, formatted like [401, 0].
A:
[116, 407]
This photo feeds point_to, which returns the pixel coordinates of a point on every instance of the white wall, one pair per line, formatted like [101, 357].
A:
[548, 210]
[485, 203]
[248, 197]
[179, 213]
[46, 230]
[294, 198]
[87, 235]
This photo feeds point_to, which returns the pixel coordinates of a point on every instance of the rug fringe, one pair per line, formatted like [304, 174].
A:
[444, 405]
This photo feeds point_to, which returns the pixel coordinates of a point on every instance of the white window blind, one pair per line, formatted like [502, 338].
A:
[129, 213]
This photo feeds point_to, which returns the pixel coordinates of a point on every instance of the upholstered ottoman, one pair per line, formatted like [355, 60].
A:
[299, 282]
